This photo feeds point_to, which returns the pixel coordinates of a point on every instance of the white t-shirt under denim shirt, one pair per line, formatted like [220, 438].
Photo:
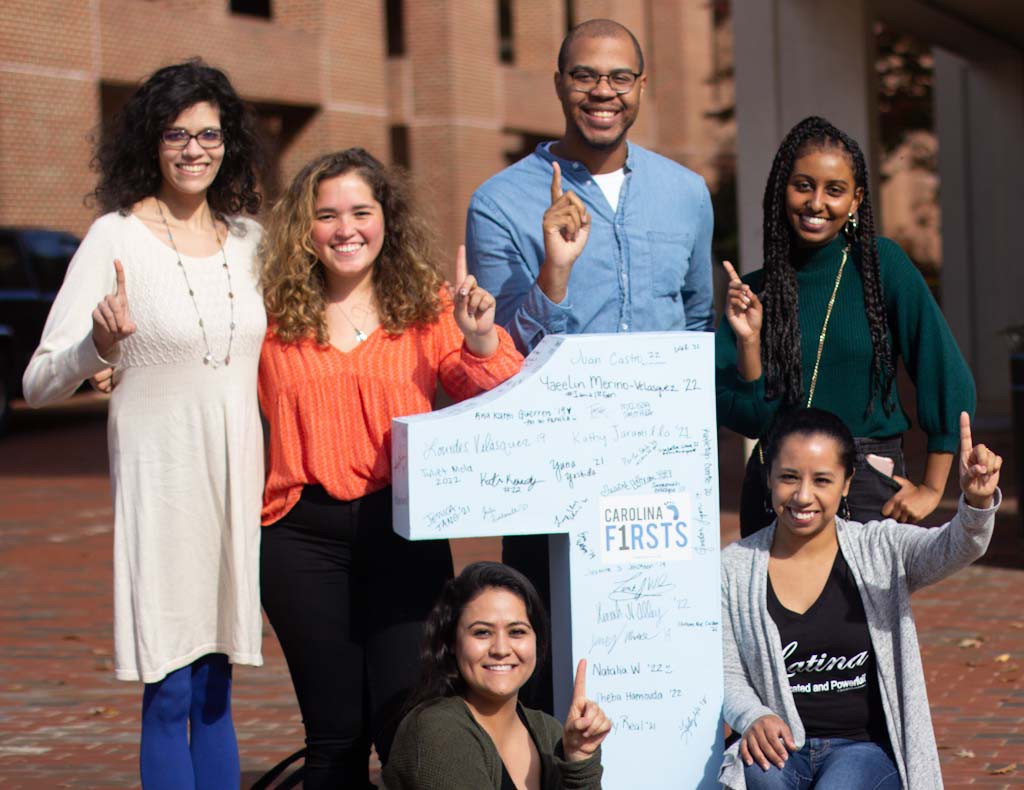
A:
[611, 184]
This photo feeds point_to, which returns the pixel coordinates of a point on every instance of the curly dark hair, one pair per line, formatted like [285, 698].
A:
[781, 333]
[439, 673]
[126, 155]
[407, 279]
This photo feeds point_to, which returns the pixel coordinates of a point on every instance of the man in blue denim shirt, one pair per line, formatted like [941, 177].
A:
[646, 265]
[626, 249]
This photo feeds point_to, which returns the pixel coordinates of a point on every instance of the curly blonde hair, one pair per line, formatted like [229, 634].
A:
[406, 277]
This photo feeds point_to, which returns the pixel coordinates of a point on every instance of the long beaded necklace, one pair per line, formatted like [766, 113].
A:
[208, 358]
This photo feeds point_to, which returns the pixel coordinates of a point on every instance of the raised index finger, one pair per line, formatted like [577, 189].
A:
[966, 445]
[733, 276]
[556, 181]
[579, 689]
[119, 273]
[461, 270]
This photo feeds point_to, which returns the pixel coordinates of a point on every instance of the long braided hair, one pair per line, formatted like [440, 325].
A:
[781, 332]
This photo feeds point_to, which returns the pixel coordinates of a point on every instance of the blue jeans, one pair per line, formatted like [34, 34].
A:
[188, 738]
[829, 764]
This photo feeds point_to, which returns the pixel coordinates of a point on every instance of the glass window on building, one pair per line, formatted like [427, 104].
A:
[260, 8]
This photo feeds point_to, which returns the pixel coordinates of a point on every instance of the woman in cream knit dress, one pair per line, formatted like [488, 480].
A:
[164, 290]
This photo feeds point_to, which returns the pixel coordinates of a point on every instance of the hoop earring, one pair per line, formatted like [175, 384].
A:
[850, 228]
[844, 509]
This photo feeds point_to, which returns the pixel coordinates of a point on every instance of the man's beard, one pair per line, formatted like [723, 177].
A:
[598, 145]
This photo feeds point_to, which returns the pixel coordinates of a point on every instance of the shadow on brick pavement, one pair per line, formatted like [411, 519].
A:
[66, 722]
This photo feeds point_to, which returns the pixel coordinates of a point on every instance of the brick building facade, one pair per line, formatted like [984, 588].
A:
[455, 89]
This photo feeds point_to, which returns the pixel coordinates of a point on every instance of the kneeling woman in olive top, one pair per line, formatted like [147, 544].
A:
[823, 674]
[468, 731]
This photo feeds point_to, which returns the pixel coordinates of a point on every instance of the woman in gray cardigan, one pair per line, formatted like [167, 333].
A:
[482, 642]
[823, 675]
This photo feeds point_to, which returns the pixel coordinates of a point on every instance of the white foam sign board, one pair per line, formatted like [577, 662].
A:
[607, 443]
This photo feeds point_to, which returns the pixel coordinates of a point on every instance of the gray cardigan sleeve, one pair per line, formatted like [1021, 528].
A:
[742, 705]
[930, 555]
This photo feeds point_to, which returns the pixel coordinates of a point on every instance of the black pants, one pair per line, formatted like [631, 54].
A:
[869, 491]
[347, 598]
[528, 554]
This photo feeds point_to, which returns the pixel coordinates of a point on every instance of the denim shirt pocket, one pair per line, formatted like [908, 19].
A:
[667, 261]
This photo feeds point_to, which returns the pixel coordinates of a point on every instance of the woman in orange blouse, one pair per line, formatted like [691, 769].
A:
[362, 327]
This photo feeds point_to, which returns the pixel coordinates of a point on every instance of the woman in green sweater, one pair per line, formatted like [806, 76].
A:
[466, 729]
[824, 323]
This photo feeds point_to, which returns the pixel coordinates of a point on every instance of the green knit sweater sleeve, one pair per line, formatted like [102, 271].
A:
[559, 773]
[742, 406]
[943, 382]
[439, 746]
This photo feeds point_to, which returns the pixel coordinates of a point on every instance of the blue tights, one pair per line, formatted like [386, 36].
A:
[188, 738]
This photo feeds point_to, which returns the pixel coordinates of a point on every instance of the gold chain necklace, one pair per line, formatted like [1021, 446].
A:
[824, 326]
[208, 357]
[821, 340]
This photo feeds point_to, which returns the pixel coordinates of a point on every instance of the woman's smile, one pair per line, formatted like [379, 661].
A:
[820, 196]
[807, 483]
[495, 646]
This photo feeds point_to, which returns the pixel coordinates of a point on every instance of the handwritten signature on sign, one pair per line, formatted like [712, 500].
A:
[689, 723]
[641, 585]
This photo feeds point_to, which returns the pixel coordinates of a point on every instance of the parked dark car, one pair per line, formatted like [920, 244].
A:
[32, 266]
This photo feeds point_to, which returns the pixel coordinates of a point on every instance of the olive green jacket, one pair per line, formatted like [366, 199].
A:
[440, 746]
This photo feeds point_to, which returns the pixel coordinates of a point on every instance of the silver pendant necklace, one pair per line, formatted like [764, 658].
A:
[360, 334]
[208, 358]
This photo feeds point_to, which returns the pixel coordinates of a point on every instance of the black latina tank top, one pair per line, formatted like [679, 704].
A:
[830, 661]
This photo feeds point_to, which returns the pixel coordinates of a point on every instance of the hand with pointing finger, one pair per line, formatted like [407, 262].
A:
[744, 313]
[474, 310]
[111, 322]
[566, 224]
[742, 307]
[585, 723]
[979, 468]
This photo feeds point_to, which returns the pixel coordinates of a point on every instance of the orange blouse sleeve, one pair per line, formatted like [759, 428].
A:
[462, 373]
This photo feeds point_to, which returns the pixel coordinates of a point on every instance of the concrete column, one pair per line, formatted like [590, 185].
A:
[980, 125]
[795, 58]
[979, 120]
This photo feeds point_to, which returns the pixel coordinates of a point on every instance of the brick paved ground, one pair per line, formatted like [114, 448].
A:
[65, 721]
